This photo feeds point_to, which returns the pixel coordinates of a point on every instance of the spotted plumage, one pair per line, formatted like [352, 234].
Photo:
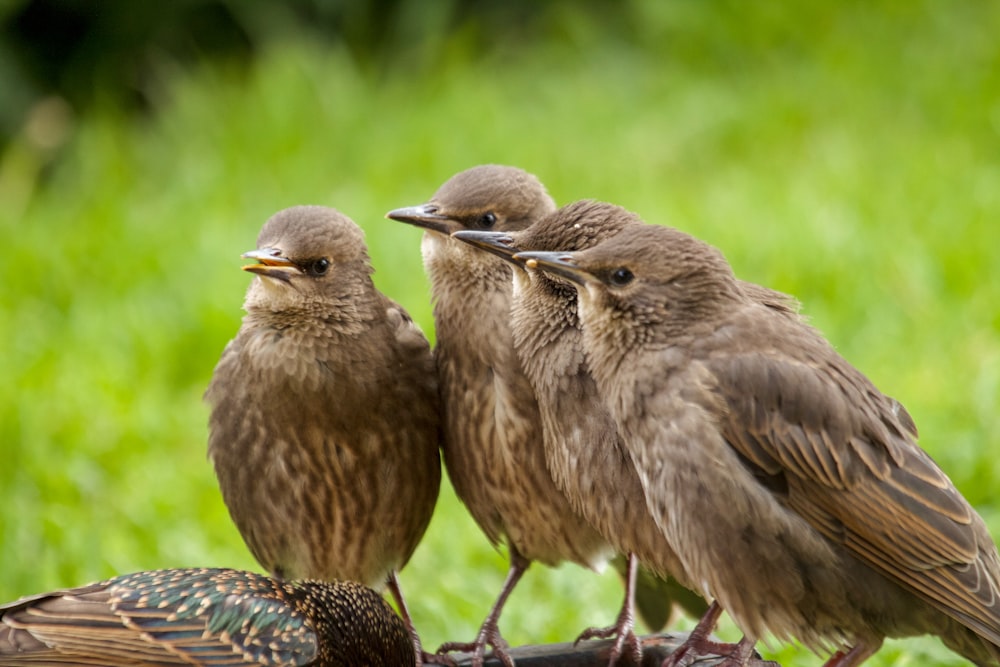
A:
[209, 617]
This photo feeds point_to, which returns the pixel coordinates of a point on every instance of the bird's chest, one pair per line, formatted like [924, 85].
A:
[283, 362]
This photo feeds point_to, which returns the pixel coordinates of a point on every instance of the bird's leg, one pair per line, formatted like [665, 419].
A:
[622, 630]
[698, 644]
[855, 656]
[404, 611]
[489, 632]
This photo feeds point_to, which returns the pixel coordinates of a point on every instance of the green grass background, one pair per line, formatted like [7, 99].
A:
[846, 153]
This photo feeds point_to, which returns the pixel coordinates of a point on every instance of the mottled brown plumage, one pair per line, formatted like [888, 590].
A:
[325, 423]
[793, 491]
[583, 450]
[493, 447]
[204, 617]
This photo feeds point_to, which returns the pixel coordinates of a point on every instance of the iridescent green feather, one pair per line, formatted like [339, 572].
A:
[254, 614]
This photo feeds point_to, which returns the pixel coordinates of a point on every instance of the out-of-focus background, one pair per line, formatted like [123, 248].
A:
[846, 152]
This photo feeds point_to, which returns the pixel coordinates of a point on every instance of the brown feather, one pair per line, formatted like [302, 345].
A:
[324, 426]
[792, 489]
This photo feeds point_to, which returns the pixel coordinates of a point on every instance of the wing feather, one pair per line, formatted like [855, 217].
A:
[165, 617]
[854, 471]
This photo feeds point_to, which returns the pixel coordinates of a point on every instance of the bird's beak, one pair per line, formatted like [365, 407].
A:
[426, 216]
[270, 263]
[500, 244]
[557, 263]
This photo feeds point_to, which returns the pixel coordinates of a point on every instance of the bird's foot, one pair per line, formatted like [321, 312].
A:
[741, 654]
[623, 633]
[688, 652]
[488, 636]
[489, 632]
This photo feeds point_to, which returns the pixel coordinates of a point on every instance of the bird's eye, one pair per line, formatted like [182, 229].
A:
[621, 277]
[487, 220]
[319, 267]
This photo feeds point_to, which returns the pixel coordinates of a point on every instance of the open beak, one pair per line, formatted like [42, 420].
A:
[500, 244]
[270, 263]
[557, 263]
[426, 216]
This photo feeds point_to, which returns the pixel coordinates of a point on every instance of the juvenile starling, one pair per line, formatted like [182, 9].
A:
[204, 617]
[493, 449]
[793, 491]
[325, 425]
[583, 450]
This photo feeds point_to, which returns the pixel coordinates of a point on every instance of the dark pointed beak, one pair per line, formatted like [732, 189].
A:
[557, 263]
[500, 244]
[426, 216]
[270, 263]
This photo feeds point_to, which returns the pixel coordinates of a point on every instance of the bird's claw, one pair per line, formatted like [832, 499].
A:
[487, 637]
[622, 636]
[741, 654]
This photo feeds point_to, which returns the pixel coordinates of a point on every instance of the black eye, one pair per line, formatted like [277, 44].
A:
[319, 266]
[487, 220]
[621, 277]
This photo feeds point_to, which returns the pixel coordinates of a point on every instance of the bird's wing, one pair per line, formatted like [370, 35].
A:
[73, 626]
[179, 621]
[776, 301]
[406, 330]
[851, 467]
[29, 632]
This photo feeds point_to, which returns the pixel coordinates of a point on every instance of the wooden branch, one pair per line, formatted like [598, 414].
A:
[655, 649]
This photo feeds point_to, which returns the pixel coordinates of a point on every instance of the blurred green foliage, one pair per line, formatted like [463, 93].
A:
[845, 152]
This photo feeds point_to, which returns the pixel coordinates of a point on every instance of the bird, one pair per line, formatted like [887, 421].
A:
[202, 616]
[794, 491]
[493, 450]
[325, 428]
[583, 449]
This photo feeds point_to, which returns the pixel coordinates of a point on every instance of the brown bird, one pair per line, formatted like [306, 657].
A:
[493, 449]
[204, 617]
[583, 450]
[793, 491]
[325, 425]
[583, 446]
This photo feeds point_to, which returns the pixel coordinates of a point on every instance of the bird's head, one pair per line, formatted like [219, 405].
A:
[485, 198]
[576, 226]
[646, 283]
[308, 256]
